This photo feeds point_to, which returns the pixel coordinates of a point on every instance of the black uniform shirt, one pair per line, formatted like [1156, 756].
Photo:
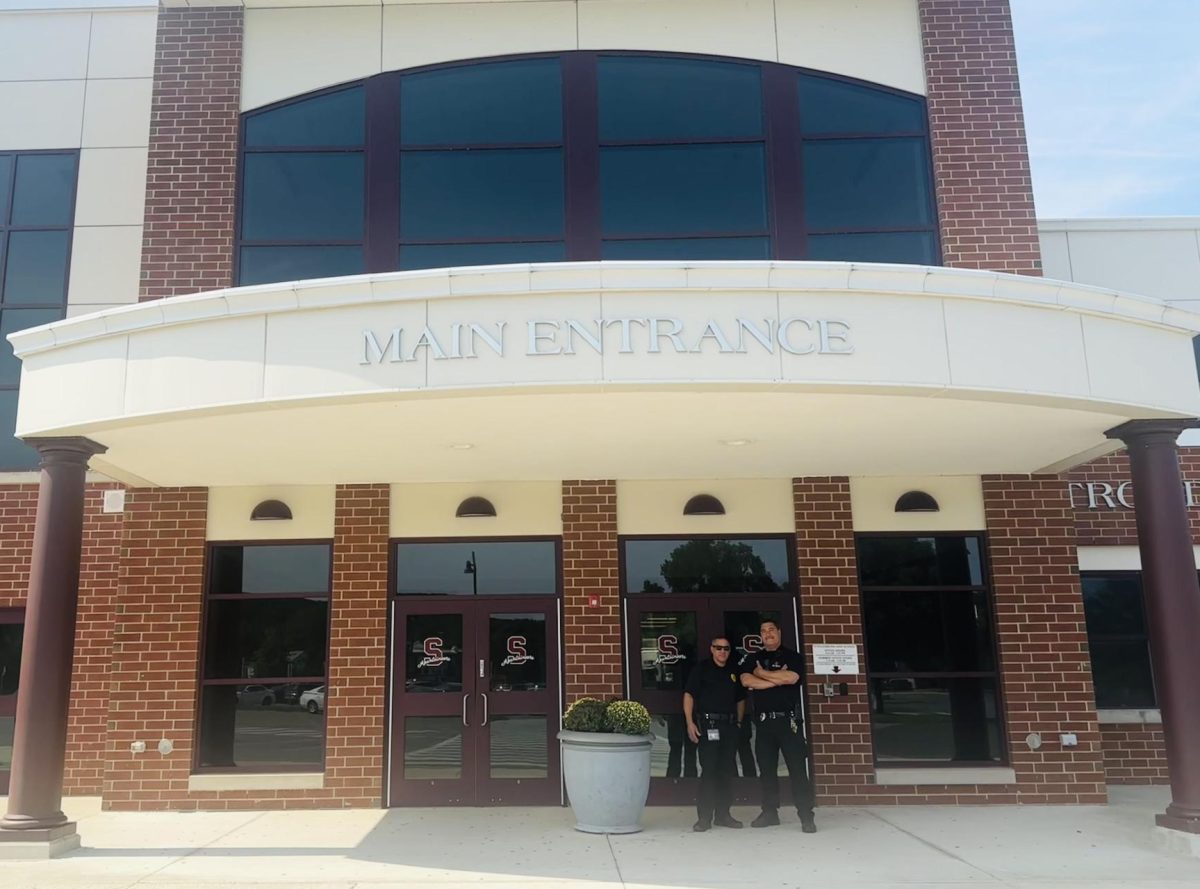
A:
[715, 689]
[781, 698]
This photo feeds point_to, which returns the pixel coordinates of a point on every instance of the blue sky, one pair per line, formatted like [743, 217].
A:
[1112, 105]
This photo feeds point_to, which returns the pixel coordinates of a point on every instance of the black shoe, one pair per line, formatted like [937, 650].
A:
[766, 818]
[727, 821]
[808, 824]
[702, 826]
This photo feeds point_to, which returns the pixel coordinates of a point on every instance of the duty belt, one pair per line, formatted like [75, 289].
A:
[719, 717]
[774, 714]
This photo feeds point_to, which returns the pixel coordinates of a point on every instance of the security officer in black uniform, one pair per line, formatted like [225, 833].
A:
[714, 703]
[773, 676]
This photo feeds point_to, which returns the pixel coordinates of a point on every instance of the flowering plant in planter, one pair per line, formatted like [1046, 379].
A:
[594, 715]
[606, 763]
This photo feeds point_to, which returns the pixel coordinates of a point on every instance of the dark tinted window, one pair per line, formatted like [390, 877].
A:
[431, 256]
[10, 656]
[37, 198]
[681, 189]
[44, 190]
[286, 568]
[265, 265]
[298, 195]
[666, 158]
[465, 568]
[903, 247]
[646, 98]
[688, 248]
[936, 720]
[335, 119]
[261, 638]
[492, 194]
[930, 646]
[705, 565]
[828, 105]
[920, 561]
[247, 727]
[928, 632]
[515, 102]
[867, 183]
[266, 631]
[36, 271]
[1118, 640]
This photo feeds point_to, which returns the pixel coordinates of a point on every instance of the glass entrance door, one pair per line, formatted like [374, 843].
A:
[666, 635]
[12, 626]
[475, 706]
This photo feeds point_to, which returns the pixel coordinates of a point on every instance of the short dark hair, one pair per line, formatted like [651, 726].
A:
[719, 636]
[771, 621]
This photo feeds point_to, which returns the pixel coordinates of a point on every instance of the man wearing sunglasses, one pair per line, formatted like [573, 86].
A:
[714, 704]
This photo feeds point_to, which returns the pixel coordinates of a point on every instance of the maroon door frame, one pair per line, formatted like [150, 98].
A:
[711, 620]
[475, 699]
[8, 703]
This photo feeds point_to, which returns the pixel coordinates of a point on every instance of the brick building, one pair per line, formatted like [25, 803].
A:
[434, 364]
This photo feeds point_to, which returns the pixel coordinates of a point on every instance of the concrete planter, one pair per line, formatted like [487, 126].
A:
[608, 779]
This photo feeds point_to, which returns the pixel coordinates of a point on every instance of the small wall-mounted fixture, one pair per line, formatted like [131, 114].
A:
[916, 501]
[704, 504]
[271, 511]
[475, 508]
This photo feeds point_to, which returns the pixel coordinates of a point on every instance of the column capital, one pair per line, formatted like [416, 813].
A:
[1164, 431]
[71, 449]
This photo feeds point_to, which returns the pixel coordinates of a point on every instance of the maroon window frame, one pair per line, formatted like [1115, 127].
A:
[786, 228]
[202, 683]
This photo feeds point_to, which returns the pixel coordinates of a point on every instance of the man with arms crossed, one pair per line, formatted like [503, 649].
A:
[773, 676]
[714, 704]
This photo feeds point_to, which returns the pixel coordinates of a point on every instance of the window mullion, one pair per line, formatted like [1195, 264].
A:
[781, 104]
[581, 155]
[381, 227]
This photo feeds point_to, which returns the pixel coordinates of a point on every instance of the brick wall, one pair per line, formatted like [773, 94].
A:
[591, 634]
[155, 646]
[1134, 754]
[18, 511]
[977, 127]
[1118, 527]
[187, 242]
[99, 568]
[355, 702]
[827, 571]
[1044, 661]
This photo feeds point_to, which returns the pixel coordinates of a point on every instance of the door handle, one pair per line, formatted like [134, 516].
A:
[485, 713]
[464, 710]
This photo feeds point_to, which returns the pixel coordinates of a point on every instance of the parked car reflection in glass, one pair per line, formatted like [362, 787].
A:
[313, 700]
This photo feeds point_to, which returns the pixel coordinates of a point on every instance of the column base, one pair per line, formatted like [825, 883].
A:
[1177, 841]
[1176, 822]
[47, 842]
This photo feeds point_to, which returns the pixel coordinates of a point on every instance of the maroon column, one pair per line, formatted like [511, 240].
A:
[39, 745]
[1172, 603]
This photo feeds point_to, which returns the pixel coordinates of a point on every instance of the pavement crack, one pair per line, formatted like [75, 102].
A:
[199, 848]
[613, 853]
[934, 846]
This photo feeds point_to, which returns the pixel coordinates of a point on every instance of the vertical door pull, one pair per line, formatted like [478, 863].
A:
[464, 712]
[481, 668]
[484, 709]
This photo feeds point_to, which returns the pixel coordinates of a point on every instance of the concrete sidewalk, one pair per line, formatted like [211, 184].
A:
[908, 847]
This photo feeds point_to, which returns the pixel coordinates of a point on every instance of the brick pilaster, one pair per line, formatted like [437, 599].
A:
[827, 570]
[1044, 662]
[591, 634]
[155, 648]
[977, 127]
[99, 570]
[187, 242]
[355, 702]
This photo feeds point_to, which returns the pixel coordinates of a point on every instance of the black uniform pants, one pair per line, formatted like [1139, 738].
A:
[772, 737]
[717, 769]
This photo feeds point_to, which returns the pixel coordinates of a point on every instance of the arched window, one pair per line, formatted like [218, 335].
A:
[584, 156]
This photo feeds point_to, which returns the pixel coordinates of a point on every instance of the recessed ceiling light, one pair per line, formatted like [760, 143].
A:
[462, 446]
[737, 442]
